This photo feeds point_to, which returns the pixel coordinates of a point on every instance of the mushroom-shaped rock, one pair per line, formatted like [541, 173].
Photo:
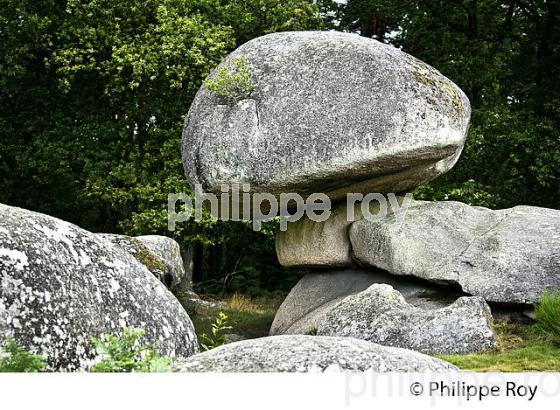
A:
[306, 112]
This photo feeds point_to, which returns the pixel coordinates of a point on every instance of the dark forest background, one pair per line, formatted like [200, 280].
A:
[93, 95]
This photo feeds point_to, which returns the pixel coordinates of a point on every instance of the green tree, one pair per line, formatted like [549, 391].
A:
[92, 105]
[506, 56]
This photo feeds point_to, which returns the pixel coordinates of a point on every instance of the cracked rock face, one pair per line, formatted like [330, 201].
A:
[380, 314]
[316, 294]
[61, 285]
[296, 353]
[331, 113]
[507, 256]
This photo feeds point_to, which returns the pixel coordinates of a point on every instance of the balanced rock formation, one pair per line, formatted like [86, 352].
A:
[316, 294]
[309, 354]
[326, 244]
[507, 256]
[380, 314]
[61, 286]
[326, 112]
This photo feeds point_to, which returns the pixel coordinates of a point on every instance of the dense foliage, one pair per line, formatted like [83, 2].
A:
[93, 95]
[505, 55]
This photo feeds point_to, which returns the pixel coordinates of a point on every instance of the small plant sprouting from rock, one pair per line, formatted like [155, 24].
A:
[548, 315]
[15, 359]
[234, 82]
[125, 354]
[219, 329]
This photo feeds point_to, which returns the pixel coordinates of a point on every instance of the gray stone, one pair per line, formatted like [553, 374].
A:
[144, 255]
[507, 256]
[194, 305]
[301, 354]
[317, 293]
[331, 112]
[62, 285]
[169, 251]
[380, 314]
[326, 244]
[234, 337]
[307, 243]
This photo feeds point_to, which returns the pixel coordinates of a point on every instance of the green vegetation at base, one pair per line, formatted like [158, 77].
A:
[14, 359]
[218, 336]
[522, 348]
[548, 315]
[249, 318]
[125, 354]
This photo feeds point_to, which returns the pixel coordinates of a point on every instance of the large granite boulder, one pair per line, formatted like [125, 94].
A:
[62, 285]
[507, 256]
[169, 252]
[309, 354]
[316, 294]
[326, 112]
[380, 314]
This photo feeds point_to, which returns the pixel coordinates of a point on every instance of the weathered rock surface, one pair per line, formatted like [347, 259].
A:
[380, 314]
[169, 251]
[309, 301]
[330, 112]
[326, 244]
[508, 256]
[142, 254]
[307, 243]
[309, 354]
[62, 285]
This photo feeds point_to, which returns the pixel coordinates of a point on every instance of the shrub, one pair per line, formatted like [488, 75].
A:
[218, 337]
[233, 82]
[14, 359]
[548, 314]
[122, 354]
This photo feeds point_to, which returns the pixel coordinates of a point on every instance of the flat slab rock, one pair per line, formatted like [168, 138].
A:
[309, 301]
[507, 256]
[309, 354]
[330, 112]
[61, 286]
[380, 314]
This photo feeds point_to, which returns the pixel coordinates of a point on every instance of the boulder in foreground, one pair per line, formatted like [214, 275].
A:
[62, 285]
[303, 354]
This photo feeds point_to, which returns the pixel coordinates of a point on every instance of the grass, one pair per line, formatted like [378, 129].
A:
[250, 318]
[548, 315]
[522, 348]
